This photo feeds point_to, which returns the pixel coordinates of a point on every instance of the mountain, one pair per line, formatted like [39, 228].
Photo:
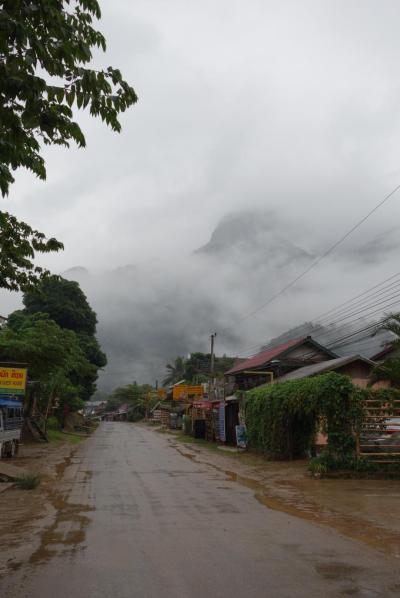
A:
[254, 238]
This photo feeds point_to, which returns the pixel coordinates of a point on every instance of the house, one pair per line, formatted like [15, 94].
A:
[358, 368]
[385, 353]
[274, 362]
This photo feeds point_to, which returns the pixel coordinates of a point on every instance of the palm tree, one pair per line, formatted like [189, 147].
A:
[176, 372]
[390, 368]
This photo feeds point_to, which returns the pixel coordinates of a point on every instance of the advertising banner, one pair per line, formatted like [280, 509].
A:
[184, 392]
[13, 380]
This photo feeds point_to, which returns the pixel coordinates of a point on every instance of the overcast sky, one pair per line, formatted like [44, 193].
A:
[287, 106]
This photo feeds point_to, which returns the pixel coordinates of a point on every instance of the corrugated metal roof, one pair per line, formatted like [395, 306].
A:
[265, 356]
[324, 366]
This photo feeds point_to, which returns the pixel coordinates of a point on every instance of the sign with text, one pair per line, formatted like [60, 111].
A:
[184, 392]
[161, 394]
[12, 380]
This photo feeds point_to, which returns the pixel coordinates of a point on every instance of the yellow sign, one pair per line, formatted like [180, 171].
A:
[161, 394]
[184, 392]
[12, 380]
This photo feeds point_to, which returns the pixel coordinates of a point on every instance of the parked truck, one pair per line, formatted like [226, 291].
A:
[11, 420]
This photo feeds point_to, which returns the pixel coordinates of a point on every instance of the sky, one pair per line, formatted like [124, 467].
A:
[285, 111]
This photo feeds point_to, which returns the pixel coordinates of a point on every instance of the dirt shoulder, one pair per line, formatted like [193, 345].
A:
[365, 510]
[25, 513]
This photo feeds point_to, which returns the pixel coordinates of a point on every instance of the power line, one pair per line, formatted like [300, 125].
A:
[342, 312]
[352, 304]
[333, 309]
[320, 258]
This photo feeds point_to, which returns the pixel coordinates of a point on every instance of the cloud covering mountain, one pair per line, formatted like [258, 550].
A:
[152, 311]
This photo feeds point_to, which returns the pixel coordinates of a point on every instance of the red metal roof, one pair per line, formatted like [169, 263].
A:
[265, 356]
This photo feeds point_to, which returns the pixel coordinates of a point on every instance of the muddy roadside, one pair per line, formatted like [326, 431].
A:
[365, 510]
[25, 514]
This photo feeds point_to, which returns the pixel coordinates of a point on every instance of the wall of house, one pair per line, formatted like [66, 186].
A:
[358, 371]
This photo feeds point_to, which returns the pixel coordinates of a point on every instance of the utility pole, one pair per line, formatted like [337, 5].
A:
[212, 363]
[212, 337]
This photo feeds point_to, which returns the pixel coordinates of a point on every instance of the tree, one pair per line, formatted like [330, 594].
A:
[44, 46]
[45, 49]
[64, 301]
[390, 369]
[66, 304]
[197, 368]
[140, 398]
[18, 243]
[54, 357]
[176, 371]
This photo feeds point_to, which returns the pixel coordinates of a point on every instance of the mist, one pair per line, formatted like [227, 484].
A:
[263, 132]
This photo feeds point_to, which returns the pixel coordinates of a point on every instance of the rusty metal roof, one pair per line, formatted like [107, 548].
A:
[266, 356]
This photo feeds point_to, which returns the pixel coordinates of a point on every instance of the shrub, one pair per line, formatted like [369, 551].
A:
[53, 424]
[28, 482]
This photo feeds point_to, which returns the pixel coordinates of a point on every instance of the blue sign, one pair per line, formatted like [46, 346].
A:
[9, 402]
[221, 422]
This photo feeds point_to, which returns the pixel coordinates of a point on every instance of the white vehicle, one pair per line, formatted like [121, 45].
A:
[11, 419]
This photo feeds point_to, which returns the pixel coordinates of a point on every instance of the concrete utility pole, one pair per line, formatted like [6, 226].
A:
[212, 337]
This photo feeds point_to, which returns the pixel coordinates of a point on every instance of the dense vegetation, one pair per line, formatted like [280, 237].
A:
[55, 336]
[139, 398]
[390, 368]
[196, 368]
[282, 419]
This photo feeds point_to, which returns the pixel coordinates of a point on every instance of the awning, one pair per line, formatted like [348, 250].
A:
[14, 404]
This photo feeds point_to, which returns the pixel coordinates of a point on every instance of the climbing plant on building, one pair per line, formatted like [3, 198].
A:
[282, 419]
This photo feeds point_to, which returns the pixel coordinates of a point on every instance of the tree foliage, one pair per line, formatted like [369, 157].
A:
[390, 368]
[65, 303]
[18, 245]
[45, 47]
[196, 368]
[282, 418]
[54, 357]
[139, 397]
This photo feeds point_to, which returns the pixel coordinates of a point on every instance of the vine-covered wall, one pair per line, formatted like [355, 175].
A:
[282, 418]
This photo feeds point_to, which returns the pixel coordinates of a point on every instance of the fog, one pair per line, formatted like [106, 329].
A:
[264, 131]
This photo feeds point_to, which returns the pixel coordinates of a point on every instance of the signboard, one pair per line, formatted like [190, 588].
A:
[241, 439]
[161, 394]
[12, 380]
[221, 422]
[202, 405]
[184, 392]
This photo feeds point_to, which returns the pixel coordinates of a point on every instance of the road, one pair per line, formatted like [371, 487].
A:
[137, 518]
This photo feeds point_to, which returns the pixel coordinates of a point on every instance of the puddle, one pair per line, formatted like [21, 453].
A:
[67, 532]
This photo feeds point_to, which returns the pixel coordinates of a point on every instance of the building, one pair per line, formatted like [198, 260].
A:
[358, 368]
[275, 362]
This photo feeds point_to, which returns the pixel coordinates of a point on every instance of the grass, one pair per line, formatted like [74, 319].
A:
[56, 436]
[27, 482]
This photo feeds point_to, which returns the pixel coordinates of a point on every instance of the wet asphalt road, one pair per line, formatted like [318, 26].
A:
[138, 519]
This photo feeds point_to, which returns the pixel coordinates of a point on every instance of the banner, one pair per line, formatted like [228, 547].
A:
[13, 380]
[184, 392]
[161, 394]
